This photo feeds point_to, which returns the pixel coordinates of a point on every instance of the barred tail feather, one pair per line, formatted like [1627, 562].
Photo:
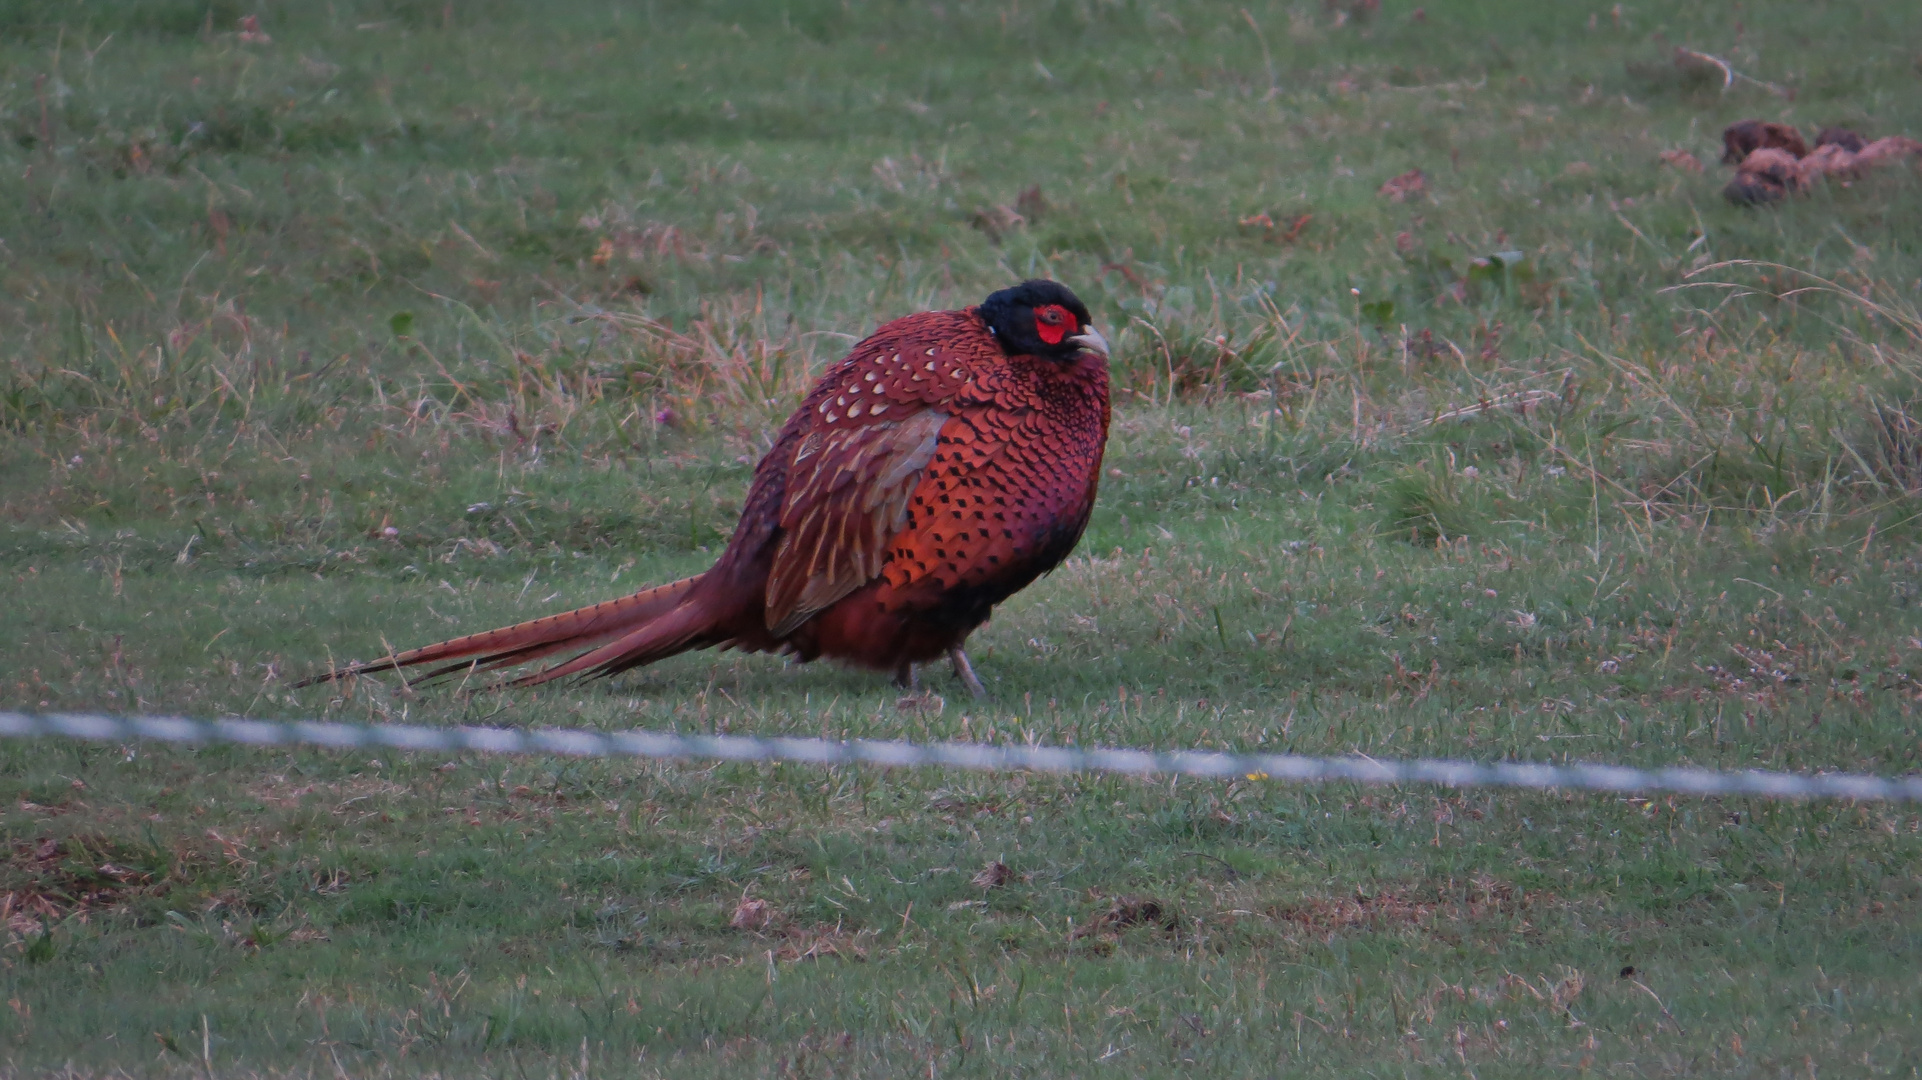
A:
[582, 628]
[689, 626]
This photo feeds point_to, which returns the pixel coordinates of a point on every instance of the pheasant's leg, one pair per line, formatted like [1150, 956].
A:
[965, 672]
[906, 677]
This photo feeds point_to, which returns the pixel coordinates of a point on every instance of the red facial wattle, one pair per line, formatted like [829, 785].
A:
[1053, 323]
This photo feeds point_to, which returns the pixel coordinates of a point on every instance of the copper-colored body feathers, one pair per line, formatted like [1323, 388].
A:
[928, 476]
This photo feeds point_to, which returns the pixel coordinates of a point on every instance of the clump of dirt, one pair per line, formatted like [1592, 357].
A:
[1765, 176]
[1126, 911]
[992, 876]
[1773, 161]
[1744, 137]
[1842, 137]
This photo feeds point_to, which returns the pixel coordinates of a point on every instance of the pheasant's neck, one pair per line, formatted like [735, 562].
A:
[1075, 393]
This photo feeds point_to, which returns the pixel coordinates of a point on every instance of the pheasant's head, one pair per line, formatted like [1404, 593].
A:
[1041, 318]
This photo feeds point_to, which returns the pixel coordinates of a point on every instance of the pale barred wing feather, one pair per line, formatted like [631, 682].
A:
[847, 494]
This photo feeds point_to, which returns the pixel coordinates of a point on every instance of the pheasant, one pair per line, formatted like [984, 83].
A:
[947, 462]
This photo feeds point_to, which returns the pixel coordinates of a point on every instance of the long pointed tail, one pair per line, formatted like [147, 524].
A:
[653, 623]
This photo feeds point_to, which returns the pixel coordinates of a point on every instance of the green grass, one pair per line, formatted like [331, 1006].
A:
[530, 288]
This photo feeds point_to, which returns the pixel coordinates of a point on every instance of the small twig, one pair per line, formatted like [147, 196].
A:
[1729, 74]
[475, 244]
[46, 120]
[1267, 60]
[1523, 398]
[1128, 272]
[1643, 237]
[1659, 1005]
[1761, 586]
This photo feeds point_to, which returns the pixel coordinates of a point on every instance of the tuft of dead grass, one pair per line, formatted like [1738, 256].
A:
[57, 878]
[795, 940]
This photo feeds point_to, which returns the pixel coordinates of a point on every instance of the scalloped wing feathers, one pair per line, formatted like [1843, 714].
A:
[847, 494]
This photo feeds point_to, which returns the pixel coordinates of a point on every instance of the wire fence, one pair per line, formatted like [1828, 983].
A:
[1285, 768]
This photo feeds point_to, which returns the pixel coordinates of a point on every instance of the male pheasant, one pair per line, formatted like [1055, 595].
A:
[946, 463]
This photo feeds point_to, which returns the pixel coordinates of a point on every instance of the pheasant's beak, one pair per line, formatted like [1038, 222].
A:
[1091, 340]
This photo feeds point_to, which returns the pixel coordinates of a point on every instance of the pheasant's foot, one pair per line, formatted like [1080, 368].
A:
[965, 672]
[906, 677]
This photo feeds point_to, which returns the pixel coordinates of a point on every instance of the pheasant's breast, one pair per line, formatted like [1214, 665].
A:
[1010, 481]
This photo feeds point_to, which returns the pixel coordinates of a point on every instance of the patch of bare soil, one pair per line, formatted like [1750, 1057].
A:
[1326, 915]
[1418, 907]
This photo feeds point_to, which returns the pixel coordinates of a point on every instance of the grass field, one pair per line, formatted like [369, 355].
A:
[392, 320]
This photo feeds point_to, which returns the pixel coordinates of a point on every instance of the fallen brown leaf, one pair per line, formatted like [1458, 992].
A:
[753, 914]
[1408, 185]
[998, 221]
[1683, 160]
[1031, 204]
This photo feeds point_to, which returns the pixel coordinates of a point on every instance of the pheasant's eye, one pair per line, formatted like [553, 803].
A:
[1053, 323]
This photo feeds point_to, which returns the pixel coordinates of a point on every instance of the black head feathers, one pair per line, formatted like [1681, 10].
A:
[1041, 318]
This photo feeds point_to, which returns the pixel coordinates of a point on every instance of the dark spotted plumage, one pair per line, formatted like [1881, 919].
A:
[948, 461]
